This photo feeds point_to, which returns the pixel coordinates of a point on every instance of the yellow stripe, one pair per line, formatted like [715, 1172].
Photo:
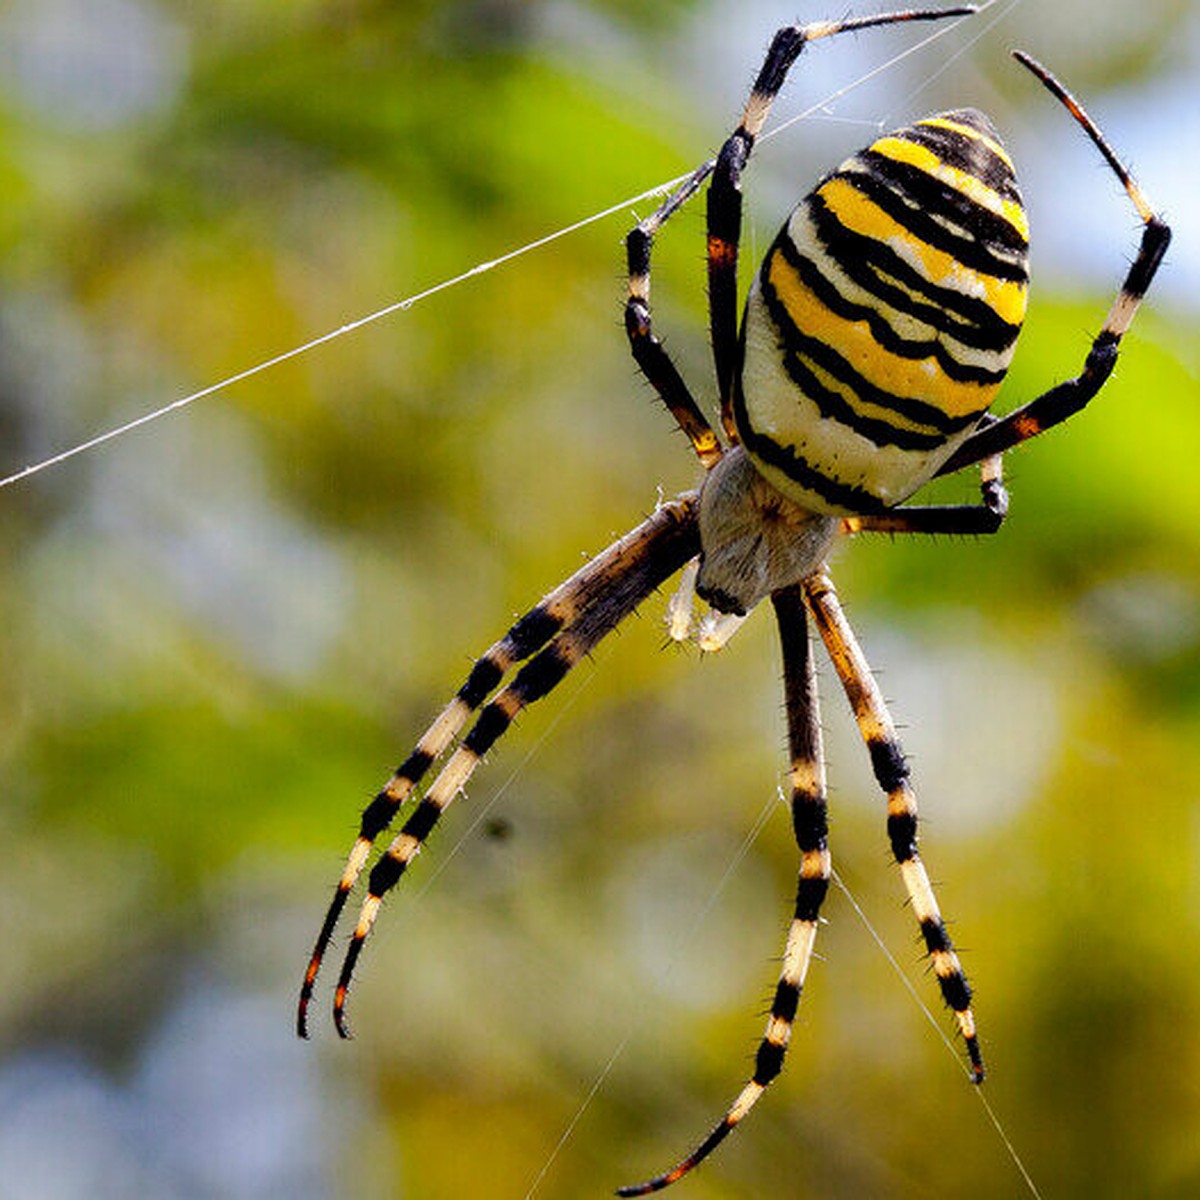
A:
[920, 378]
[1005, 297]
[966, 130]
[902, 150]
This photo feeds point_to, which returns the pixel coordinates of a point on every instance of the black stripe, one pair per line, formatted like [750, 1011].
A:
[887, 761]
[935, 935]
[946, 200]
[957, 994]
[966, 153]
[902, 833]
[637, 251]
[835, 407]
[798, 469]
[810, 894]
[542, 673]
[377, 816]
[492, 722]
[532, 631]
[810, 823]
[881, 432]
[825, 291]
[862, 258]
[484, 676]
[787, 1000]
[415, 765]
[384, 876]
[1155, 239]
[969, 249]
[785, 46]
[424, 818]
[768, 1062]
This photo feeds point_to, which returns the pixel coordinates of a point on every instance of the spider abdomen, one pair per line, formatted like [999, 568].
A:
[884, 317]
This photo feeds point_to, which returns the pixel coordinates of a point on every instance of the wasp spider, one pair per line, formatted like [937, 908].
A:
[874, 338]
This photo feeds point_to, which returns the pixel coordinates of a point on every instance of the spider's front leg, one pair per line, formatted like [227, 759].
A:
[725, 193]
[891, 771]
[811, 829]
[648, 352]
[553, 636]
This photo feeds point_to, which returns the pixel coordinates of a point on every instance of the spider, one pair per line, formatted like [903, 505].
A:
[875, 335]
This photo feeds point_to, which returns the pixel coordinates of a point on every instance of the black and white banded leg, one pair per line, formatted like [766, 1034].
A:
[724, 220]
[1060, 402]
[891, 771]
[725, 194]
[553, 637]
[810, 824]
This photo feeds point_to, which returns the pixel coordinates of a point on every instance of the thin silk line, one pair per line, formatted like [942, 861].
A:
[479, 269]
[1006, 1141]
[760, 823]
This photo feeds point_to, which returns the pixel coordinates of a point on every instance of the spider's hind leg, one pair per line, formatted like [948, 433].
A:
[962, 519]
[1065, 399]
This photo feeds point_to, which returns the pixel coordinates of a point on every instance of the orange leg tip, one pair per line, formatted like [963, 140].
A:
[339, 1011]
[977, 1069]
[658, 1182]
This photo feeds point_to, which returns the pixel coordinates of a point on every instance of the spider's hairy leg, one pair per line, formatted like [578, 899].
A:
[725, 194]
[887, 760]
[961, 519]
[648, 351]
[811, 829]
[617, 581]
[526, 636]
[723, 237]
[556, 611]
[1067, 398]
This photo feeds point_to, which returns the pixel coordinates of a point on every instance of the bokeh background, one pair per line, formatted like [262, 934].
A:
[222, 630]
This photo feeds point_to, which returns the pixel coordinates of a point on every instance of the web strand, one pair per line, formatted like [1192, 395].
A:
[1005, 1140]
[481, 268]
[684, 944]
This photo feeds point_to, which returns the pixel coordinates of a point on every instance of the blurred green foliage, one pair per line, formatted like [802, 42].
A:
[220, 631]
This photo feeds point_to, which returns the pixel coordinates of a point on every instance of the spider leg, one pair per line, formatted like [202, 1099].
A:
[525, 637]
[557, 611]
[811, 829]
[724, 232]
[725, 193]
[1066, 399]
[986, 517]
[887, 759]
[612, 586]
[648, 352]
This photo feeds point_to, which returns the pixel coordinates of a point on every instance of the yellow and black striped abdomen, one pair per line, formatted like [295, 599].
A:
[884, 317]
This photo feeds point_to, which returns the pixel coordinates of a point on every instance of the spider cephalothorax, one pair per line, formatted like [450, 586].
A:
[875, 336]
